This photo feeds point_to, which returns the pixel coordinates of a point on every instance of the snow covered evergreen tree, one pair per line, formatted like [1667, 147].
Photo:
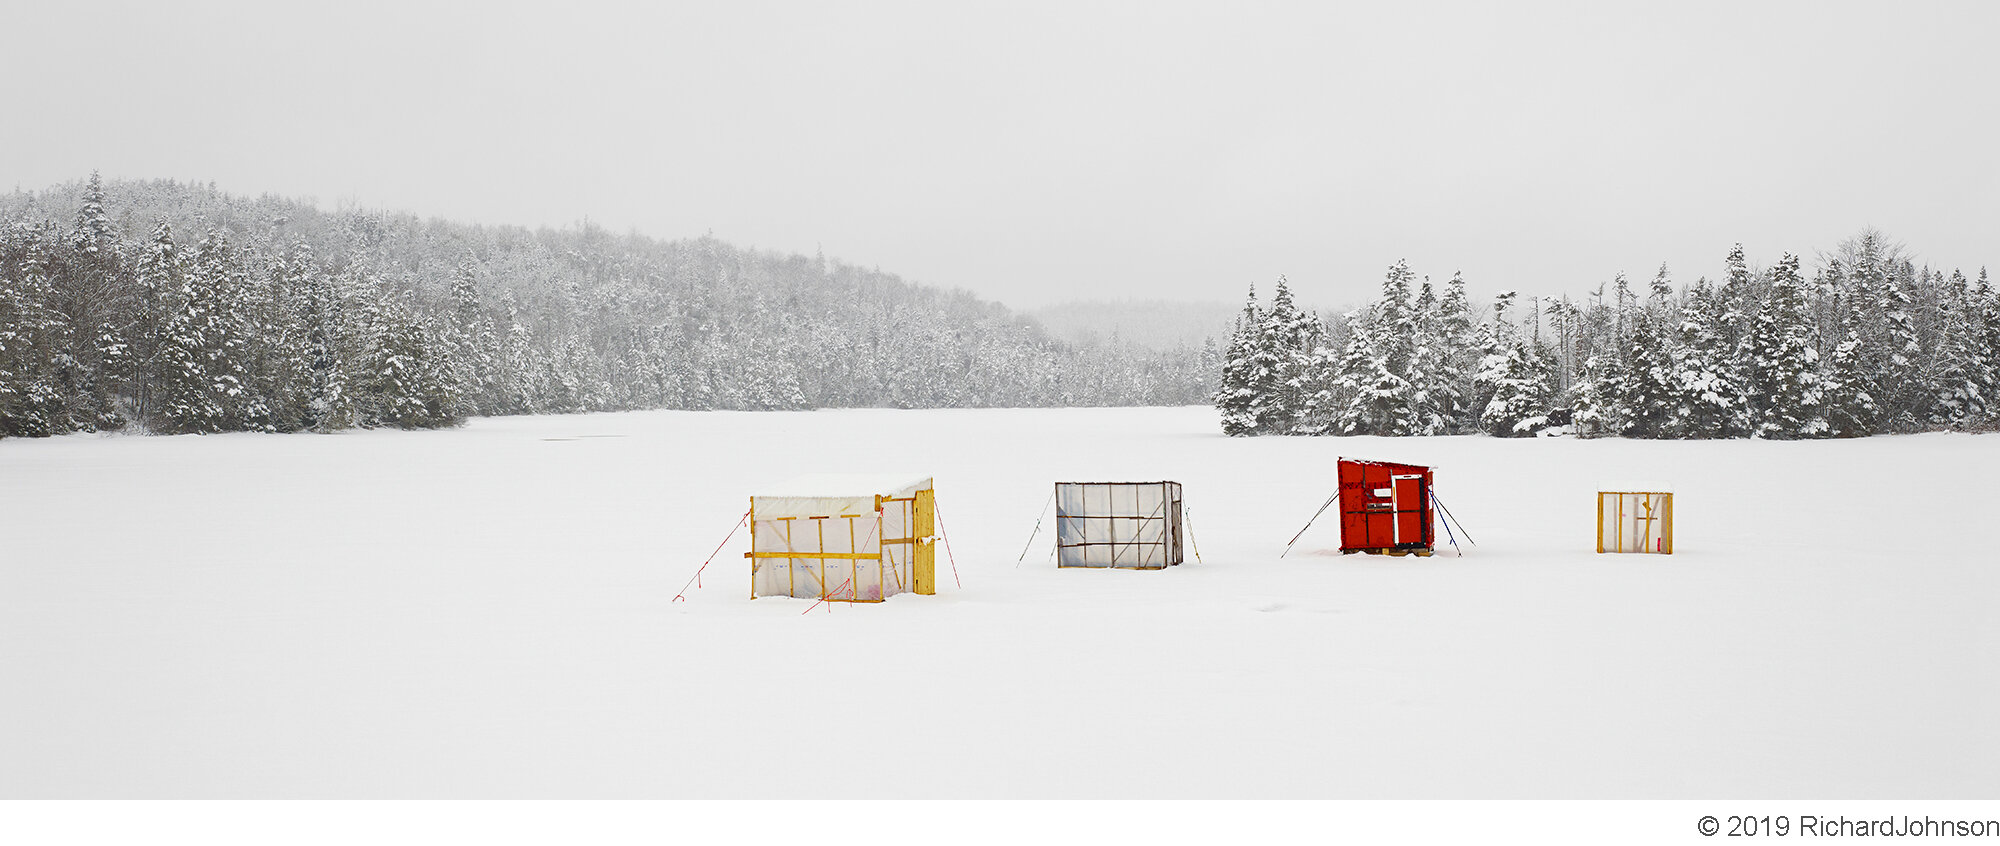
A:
[1435, 382]
[1906, 386]
[1739, 299]
[92, 301]
[1785, 389]
[283, 368]
[1375, 365]
[232, 307]
[1849, 389]
[407, 377]
[1236, 396]
[31, 335]
[1599, 396]
[1519, 407]
[1960, 371]
[520, 378]
[1984, 311]
[331, 348]
[1518, 403]
[159, 282]
[1570, 335]
[1324, 400]
[474, 346]
[1281, 362]
[1653, 395]
[1464, 344]
[1380, 403]
[1708, 387]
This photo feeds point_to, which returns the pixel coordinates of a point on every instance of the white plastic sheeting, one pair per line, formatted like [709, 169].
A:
[1133, 525]
[834, 514]
[830, 494]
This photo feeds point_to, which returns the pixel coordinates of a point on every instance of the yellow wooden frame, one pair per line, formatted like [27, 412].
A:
[923, 562]
[871, 556]
[1663, 519]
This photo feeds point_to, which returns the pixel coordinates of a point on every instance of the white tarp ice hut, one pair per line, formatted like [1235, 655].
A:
[843, 538]
[1125, 525]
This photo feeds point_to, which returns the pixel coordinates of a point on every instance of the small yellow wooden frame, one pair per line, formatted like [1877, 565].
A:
[1656, 524]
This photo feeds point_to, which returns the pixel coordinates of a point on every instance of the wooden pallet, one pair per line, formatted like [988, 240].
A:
[1420, 552]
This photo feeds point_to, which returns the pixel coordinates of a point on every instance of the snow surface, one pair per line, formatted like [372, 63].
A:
[488, 612]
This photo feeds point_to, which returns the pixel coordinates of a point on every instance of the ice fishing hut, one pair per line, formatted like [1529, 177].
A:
[843, 538]
[1119, 525]
[1385, 508]
[1635, 517]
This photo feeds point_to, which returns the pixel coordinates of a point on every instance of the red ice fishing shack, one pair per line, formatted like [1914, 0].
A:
[1385, 508]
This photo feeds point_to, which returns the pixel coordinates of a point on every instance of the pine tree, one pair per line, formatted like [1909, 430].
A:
[199, 360]
[1708, 387]
[1599, 393]
[1380, 403]
[329, 348]
[94, 232]
[183, 389]
[1395, 343]
[406, 374]
[1434, 381]
[1985, 312]
[1375, 366]
[1462, 347]
[1281, 364]
[283, 370]
[1784, 377]
[1652, 399]
[1520, 396]
[1739, 302]
[1906, 386]
[1651, 371]
[1960, 370]
[1851, 411]
[1567, 326]
[1236, 394]
[233, 306]
[1324, 400]
[474, 347]
[92, 300]
[1514, 382]
[521, 380]
[31, 399]
[1597, 406]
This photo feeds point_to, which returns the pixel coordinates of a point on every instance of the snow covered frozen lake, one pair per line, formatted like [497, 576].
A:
[487, 612]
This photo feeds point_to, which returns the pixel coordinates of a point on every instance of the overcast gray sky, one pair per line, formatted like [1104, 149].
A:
[1040, 152]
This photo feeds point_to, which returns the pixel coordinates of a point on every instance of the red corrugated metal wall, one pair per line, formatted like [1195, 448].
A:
[1380, 511]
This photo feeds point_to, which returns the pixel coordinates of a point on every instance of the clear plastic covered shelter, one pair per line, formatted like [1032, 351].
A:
[1122, 525]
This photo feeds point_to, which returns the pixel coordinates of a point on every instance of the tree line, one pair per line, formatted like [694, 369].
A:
[166, 307]
[1871, 343]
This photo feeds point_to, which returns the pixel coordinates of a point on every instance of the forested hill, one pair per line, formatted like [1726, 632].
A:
[178, 308]
[1152, 324]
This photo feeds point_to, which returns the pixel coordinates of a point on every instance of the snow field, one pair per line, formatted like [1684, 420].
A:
[487, 612]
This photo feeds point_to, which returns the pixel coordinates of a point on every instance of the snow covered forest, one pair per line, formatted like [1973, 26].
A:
[1871, 344]
[169, 307]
